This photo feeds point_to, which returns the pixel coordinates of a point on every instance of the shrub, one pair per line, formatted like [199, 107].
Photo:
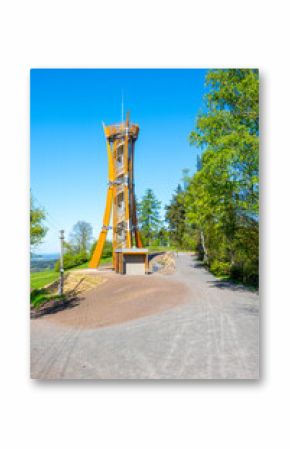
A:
[220, 268]
[71, 260]
[237, 272]
[251, 273]
[107, 251]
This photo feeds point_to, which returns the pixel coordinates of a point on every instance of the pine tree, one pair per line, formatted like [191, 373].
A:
[149, 217]
[175, 217]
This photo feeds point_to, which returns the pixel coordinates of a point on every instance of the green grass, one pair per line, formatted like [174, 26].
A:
[42, 278]
[79, 267]
[41, 296]
[105, 260]
[86, 264]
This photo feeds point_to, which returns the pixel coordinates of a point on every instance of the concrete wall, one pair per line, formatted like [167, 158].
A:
[134, 264]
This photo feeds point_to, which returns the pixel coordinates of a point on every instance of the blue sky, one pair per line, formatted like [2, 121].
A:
[68, 152]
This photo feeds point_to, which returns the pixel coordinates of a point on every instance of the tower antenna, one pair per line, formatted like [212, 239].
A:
[122, 106]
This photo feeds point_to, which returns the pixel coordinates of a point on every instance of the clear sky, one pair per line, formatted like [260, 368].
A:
[68, 151]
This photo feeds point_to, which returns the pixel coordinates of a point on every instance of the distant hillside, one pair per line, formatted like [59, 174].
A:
[42, 262]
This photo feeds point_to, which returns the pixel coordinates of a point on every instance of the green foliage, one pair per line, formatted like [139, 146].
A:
[175, 216]
[162, 237]
[37, 228]
[41, 296]
[149, 217]
[179, 228]
[71, 259]
[80, 238]
[38, 297]
[107, 250]
[222, 198]
[220, 269]
[77, 250]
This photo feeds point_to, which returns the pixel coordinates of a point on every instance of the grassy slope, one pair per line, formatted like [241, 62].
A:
[42, 278]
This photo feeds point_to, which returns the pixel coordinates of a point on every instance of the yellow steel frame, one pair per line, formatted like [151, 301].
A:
[95, 260]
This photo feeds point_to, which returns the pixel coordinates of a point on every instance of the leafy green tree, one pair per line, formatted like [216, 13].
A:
[149, 217]
[229, 131]
[76, 251]
[81, 237]
[222, 199]
[37, 228]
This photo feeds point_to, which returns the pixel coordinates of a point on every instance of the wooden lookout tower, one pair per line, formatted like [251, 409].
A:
[128, 254]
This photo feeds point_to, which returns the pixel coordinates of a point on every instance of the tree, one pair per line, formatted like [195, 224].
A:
[229, 132]
[149, 217]
[222, 199]
[175, 216]
[37, 228]
[77, 250]
[181, 231]
[162, 237]
[81, 237]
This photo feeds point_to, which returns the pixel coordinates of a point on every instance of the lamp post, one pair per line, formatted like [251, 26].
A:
[61, 269]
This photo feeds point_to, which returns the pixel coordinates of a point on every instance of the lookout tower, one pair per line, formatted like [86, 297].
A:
[128, 254]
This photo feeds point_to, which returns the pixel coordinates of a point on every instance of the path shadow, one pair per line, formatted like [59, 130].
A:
[197, 264]
[250, 310]
[229, 285]
[152, 255]
[53, 307]
[223, 284]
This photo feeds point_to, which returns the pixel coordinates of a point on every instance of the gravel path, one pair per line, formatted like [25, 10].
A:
[209, 330]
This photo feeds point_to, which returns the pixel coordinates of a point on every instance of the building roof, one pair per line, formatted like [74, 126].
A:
[132, 250]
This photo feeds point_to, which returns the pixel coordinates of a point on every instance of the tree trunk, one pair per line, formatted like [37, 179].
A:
[205, 253]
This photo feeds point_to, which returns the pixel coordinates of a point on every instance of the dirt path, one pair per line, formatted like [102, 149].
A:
[186, 325]
[121, 299]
